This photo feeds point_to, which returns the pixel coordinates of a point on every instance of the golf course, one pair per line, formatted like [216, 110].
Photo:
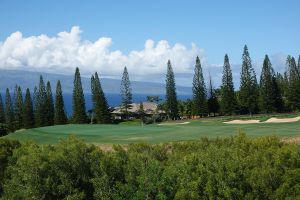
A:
[154, 133]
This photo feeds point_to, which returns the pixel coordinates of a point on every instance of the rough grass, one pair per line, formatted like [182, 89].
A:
[136, 133]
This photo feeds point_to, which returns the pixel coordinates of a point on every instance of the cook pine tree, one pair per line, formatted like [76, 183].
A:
[60, 116]
[199, 91]
[293, 79]
[49, 105]
[9, 112]
[126, 93]
[100, 105]
[28, 115]
[41, 104]
[34, 102]
[228, 99]
[79, 109]
[248, 94]
[2, 111]
[213, 104]
[283, 88]
[171, 96]
[18, 107]
[270, 96]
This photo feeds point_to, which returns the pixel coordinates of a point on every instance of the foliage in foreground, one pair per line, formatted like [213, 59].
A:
[231, 168]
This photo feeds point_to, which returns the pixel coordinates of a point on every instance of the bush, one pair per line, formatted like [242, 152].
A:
[6, 150]
[230, 168]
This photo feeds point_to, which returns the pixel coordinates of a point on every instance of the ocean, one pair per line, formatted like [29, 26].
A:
[113, 100]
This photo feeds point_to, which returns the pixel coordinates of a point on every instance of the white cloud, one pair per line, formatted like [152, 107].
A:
[64, 52]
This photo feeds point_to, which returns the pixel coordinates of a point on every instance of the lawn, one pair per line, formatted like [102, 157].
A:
[125, 134]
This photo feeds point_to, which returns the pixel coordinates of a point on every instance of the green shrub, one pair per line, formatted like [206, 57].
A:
[231, 168]
[6, 151]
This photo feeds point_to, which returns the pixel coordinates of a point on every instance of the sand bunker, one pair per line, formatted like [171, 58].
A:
[167, 124]
[286, 120]
[242, 122]
[271, 120]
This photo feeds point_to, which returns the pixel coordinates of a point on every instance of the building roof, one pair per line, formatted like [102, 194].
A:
[149, 108]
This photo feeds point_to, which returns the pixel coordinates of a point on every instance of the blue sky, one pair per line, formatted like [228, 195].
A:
[215, 27]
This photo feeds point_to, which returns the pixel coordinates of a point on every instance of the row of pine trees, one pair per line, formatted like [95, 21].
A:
[41, 110]
[33, 111]
[274, 93]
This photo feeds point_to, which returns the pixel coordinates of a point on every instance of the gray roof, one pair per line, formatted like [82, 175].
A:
[149, 108]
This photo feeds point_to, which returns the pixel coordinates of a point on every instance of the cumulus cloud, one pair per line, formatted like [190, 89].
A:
[67, 50]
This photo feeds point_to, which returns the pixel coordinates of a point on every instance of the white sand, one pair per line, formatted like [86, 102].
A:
[167, 124]
[286, 120]
[271, 120]
[242, 122]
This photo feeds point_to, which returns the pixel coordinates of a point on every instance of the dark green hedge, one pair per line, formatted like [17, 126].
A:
[231, 168]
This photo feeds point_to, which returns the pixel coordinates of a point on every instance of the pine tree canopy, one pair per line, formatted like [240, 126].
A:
[28, 116]
[2, 111]
[199, 91]
[41, 104]
[248, 94]
[60, 116]
[49, 105]
[171, 96]
[18, 107]
[126, 94]
[100, 105]
[9, 113]
[270, 93]
[293, 79]
[228, 99]
[79, 109]
[213, 104]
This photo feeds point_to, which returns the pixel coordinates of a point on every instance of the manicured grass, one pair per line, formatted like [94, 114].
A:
[125, 134]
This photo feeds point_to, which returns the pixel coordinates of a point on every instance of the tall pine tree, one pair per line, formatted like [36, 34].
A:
[278, 95]
[41, 106]
[9, 113]
[100, 104]
[35, 104]
[228, 99]
[213, 104]
[18, 107]
[126, 94]
[2, 112]
[49, 105]
[60, 116]
[248, 95]
[293, 77]
[28, 116]
[270, 96]
[199, 91]
[171, 96]
[79, 110]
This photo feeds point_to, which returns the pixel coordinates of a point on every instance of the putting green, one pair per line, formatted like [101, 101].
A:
[125, 134]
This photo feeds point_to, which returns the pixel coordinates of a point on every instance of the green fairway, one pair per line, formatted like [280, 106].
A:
[125, 134]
